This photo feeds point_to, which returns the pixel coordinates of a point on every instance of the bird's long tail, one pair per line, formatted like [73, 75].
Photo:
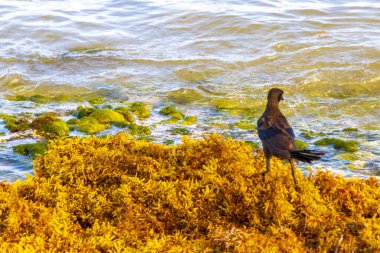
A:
[306, 155]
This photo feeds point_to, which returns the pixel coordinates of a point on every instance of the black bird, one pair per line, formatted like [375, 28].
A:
[278, 137]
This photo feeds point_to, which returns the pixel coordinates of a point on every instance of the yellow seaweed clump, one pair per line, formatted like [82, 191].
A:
[118, 194]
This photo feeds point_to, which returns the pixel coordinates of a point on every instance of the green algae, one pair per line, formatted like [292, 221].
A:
[128, 115]
[104, 136]
[36, 99]
[170, 121]
[90, 125]
[301, 145]
[96, 100]
[245, 125]
[350, 129]
[32, 149]
[139, 130]
[196, 75]
[330, 89]
[72, 121]
[168, 142]
[83, 111]
[347, 156]
[237, 103]
[185, 96]
[121, 124]
[56, 93]
[353, 167]
[107, 116]
[140, 109]
[189, 120]
[180, 131]
[349, 146]
[308, 134]
[50, 126]
[15, 124]
[220, 125]
[173, 113]
[41, 99]
[253, 145]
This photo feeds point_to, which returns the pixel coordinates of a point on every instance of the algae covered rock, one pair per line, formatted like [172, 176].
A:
[73, 121]
[50, 126]
[96, 100]
[180, 131]
[139, 130]
[33, 149]
[350, 129]
[168, 142]
[83, 111]
[308, 134]
[301, 144]
[172, 112]
[141, 110]
[121, 124]
[236, 103]
[254, 145]
[128, 115]
[246, 125]
[349, 146]
[15, 124]
[90, 125]
[40, 99]
[107, 116]
[189, 120]
[184, 96]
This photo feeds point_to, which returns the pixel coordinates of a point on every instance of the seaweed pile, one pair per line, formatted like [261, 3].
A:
[119, 194]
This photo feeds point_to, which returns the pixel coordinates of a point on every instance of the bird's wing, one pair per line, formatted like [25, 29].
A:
[281, 123]
[269, 127]
[277, 135]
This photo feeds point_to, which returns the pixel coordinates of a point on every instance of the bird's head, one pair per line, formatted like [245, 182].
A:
[275, 94]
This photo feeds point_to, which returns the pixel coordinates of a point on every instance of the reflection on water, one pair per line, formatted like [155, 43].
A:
[324, 54]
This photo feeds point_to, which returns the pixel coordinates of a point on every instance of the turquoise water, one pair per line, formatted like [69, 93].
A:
[215, 60]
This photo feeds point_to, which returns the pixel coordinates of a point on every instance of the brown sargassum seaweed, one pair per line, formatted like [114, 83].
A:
[118, 194]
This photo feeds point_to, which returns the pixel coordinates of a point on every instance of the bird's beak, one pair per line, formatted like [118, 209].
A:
[282, 98]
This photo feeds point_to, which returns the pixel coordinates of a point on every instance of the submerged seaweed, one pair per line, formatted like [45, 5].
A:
[118, 194]
[32, 149]
[140, 109]
[349, 146]
[14, 124]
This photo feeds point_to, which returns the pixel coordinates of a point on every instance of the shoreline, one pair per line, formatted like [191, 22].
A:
[349, 150]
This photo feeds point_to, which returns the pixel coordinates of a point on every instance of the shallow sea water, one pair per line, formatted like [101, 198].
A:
[215, 60]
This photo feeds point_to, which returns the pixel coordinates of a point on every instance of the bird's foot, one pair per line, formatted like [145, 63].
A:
[264, 175]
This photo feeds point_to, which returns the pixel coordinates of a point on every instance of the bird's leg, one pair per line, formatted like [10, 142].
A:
[267, 162]
[294, 173]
